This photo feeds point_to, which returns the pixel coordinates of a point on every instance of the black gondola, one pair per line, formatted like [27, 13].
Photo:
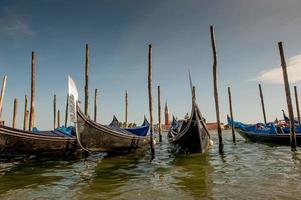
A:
[95, 137]
[281, 138]
[190, 135]
[19, 143]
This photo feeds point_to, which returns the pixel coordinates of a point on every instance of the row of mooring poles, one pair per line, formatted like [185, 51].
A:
[287, 92]
[29, 125]
[293, 141]
[56, 118]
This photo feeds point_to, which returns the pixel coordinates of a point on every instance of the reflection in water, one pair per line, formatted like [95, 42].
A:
[245, 171]
[196, 173]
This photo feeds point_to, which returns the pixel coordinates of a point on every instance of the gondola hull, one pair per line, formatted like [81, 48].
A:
[281, 139]
[192, 135]
[194, 140]
[95, 137]
[18, 143]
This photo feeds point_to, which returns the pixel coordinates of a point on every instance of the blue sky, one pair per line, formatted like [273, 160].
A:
[118, 33]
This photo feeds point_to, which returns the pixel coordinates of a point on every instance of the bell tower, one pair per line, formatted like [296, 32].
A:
[167, 116]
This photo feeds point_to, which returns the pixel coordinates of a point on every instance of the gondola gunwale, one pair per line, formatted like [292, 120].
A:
[33, 135]
[16, 143]
[282, 139]
[108, 130]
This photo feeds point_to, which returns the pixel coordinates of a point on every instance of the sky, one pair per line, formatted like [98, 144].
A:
[118, 33]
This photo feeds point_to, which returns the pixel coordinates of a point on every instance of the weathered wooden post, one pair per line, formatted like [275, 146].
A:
[15, 112]
[297, 103]
[288, 98]
[66, 113]
[126, 109]
[25, 115]
[87, 66]
[26, 120]
[231, 115]
[262, 104]
[58, 119]
[159, 114]
[150, 99]
[2, 94]
[32, 94]
[219, 129]
[95, 105]
[54, 111]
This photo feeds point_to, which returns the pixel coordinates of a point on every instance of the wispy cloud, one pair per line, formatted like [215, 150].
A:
[15, 26]
[275, 76]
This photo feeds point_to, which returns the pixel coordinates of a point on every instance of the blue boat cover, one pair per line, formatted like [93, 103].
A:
[268, 128]
[67, 131]
[140, 130]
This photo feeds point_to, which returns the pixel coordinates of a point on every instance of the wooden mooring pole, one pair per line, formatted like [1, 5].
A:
[2, 94]
[26, 120]
[25, 123]
[297, 104]
[150, 100]
[231, 115]
[288, 98]
[66, 112]
[15, 112]
[126, 109]
[87, 66]
[54, 111]
[262, 103]
[95, 104]
[215, 86]
[159, 114]
[32, 93]
[58, 119]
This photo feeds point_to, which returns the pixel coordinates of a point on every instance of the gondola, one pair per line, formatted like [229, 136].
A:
[139, 130]
[265, 133]
[18, 143]
[190, 135]
[145, 122]
[94, 137]
[281, 138]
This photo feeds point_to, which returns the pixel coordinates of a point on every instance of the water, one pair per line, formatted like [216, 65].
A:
[245, 171]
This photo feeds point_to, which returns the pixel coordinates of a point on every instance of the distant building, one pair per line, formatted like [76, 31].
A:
[213, 125]
[167, 117]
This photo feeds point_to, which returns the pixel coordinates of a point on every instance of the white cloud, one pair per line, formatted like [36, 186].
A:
[275, 76]
[14, 25]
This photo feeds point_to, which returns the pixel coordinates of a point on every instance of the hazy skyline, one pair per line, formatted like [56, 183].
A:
[118, 33]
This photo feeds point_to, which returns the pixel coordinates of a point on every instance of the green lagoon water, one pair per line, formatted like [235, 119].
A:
[245, 171]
